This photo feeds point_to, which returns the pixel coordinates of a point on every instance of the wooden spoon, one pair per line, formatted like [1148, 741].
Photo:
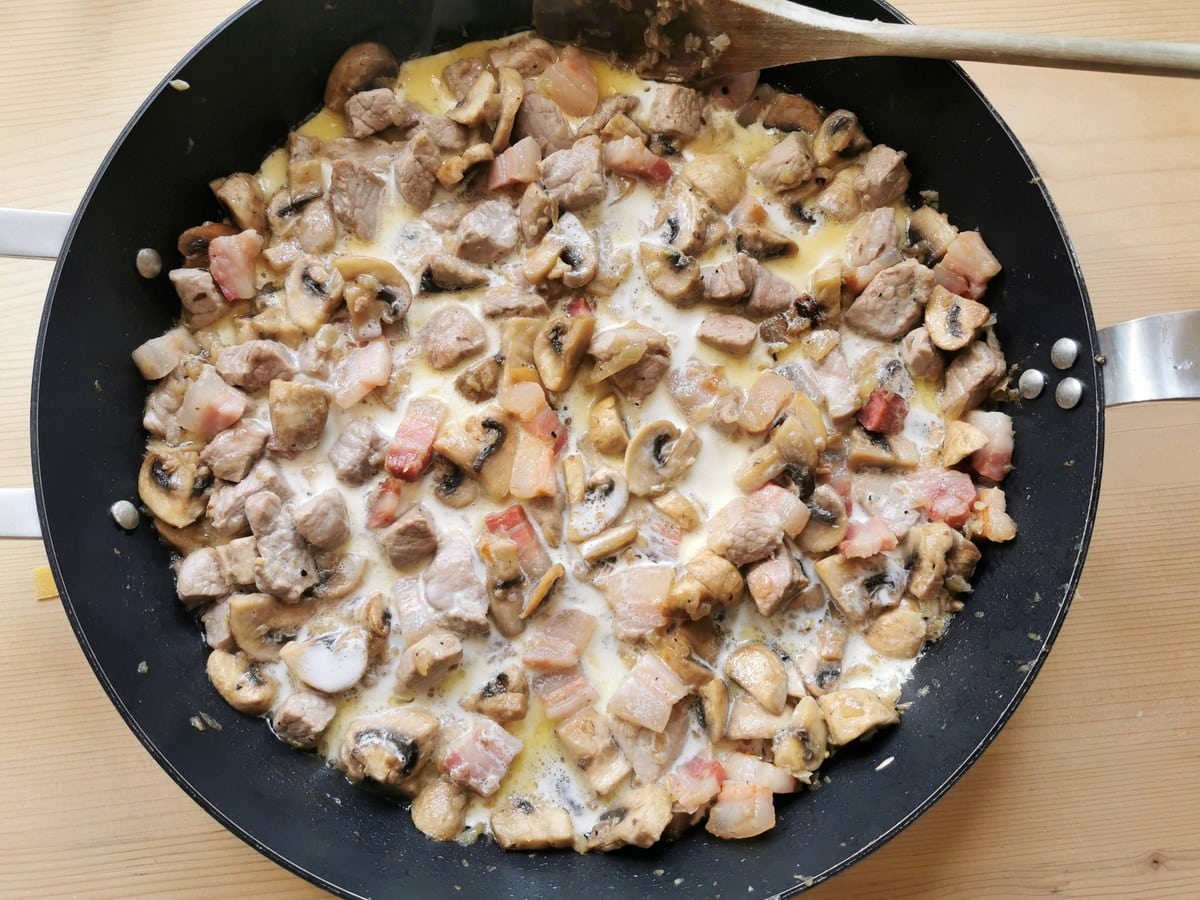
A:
[725, 37]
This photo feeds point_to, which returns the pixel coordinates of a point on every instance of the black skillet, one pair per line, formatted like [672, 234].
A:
[251, 81]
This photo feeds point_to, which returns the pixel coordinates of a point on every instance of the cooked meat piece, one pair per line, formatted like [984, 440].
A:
[410, 539]
[732, 280]
[639, 380]
[324, 520]
[891, 304]
[638, 596]
[970, 377]
[285, 567]
[771, 294]
[444, 272]
[743, 810]
[358, 453]
[838, 199]
[200, 578]
[453, 589]
[695, 387]
[479, 759]
[786, 166]
[733, 334]
[298, 414]
[459, 75]
[237, 561]
[873, 235]
[560, 642]
[540, 118]
[523, 825]
[316, 230]
[676, 113]
[416, 169]
[762, 243]
[254, 364]
[370, 111]
[488, 232]
[481, 380]
[639, 818]
[414, 616]
[215, 622]
[504, 698]
[234, 451]
[199, 296]
[537, 213]
[303, 716]
[527, 54]
[447, 215]
[792, 112]
[240, 194]
[356, 193]
[588, 742]
[447, 134]
[574, 177]
[227, 505]
[610, 107]
[441, 808]
[451, 335]
[775, 582]
[504, 301]
[743, 532]
[884, 176]
[648, 693]
[426, 662]
[718, 176]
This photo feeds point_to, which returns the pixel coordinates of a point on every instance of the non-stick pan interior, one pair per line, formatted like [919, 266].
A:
[252, 82]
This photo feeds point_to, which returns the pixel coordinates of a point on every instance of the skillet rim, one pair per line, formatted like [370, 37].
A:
[1095, 398]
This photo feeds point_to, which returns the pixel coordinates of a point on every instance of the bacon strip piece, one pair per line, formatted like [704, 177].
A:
[480, 759]
[564, 692]
[648, 694]
[561, 641]
[411, 449]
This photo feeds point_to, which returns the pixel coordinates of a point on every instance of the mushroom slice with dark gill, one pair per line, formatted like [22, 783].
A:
[390, 747]
[658, 454]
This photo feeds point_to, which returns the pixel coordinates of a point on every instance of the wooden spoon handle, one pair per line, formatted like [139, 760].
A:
[784, 32]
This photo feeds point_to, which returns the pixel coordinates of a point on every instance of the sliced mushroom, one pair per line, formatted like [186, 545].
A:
[748, 721]
[827, 521]
[512, 92]
[852, 712]
[608, 543]
[542, 589]
[360, 68]
[763, 465]
[330, 662]
[803, 746]
[962, 439]
[866, 449]
[375, 292]
[657, 455]
[390, 747]
[763, 244]
[706, 579]
[567, 253]
[451, 485]
[559, 348]
[718, 176]
[714, 707]
[759, 671]
[522, 824]
[839, 135]
[193, 243]
[240, 194]
[859, 587]
[479, 103]
[240, 683]
[953, 320]
[172, 483]
[587, 741]
[338, 574]
[599, 503]
[427, 661]
[440, 810]
[638, 818]
[897, 633]
[675, 277]
[262, 625]
[606, 428]
[311, 292]
[504, 698]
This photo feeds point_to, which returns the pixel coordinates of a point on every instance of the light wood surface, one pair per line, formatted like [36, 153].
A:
[1093, 788]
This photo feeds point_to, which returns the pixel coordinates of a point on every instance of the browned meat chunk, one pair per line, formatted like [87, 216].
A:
[775, 582]
[416, 169]
[505, 301]
[427, 661]
[743, 532]
[791, 112]
[324, 520]
[304, 715]
[410, 539]
[447, 215]
[446, 133]
[922, 358]
[444, 272]
[733, 334]
[298, 415]
[199, 296]
[528, 55]
[772, 294]
[237, 561]
[884, 177]
[356, 193]
[359, 452]
[227, 505]
[609, 108]
[787, 166]
[370, 111]
[200, 578]
[891, 304]
[540, 118]
[574, 178]
[255, 364]
[231, 453]
[451, 335]
[488, 232]
[872, 237]
[676, 112]
[285, 567]
[970, 377]
[452, 587]
[731, 281]
[459, 75]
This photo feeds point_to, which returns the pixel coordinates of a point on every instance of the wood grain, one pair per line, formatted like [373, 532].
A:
[1090, 791]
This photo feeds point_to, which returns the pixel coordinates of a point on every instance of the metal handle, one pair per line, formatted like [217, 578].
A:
[1155, 358]
[32, 234]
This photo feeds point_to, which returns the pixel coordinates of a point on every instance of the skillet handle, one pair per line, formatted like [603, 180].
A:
[18, 514]
[1155, 358]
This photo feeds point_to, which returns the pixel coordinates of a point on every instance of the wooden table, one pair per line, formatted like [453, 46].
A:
[1092, 790]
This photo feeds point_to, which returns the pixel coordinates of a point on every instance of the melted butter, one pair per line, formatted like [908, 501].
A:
[421, 79]
[613, 79]
[326, 125]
